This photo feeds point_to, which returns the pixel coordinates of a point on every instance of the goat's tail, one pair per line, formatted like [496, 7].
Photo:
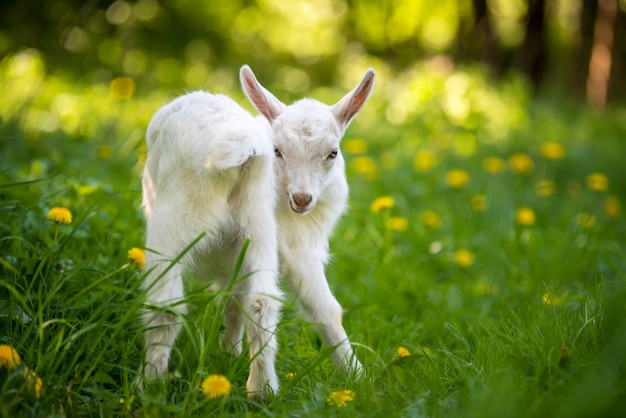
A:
[232, 153]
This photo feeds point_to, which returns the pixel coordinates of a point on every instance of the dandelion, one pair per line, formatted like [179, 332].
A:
[457, 179]
[574, 188]
[554, 300]
[525, 216]
[389, 160]
[521, 163]
[479, 202]
[563, 355]
[463, 258]
[137, 257]
[9, 358]
[431, 219]
[426, 351]
[340, 398]
[403, 352]
[290, 375]
[612, 206]
[365, 166]
[104, 152]
[493, 165]
[397, 223]
[483, 288]
[552, 150]
[597, 182]
[585, 220]
[216, 386]
[382, 203]
[60, 215]
[545, 188]
[355, 146]
[424, 161]
[122, 88]
[34, 382]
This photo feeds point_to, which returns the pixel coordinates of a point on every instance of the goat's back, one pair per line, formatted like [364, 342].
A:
[193, 143]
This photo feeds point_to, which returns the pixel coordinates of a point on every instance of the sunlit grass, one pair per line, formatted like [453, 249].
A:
[481, 274]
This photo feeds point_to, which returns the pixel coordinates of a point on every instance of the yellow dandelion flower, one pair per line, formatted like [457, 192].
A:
[585, 220]
[521, 163]
[355, 146]
[554, 300]
[457, 179]
[137, 257]
[424, 161]
[122, 88]
[104, 152]
[9, 357]
[389, 160]
[364, 166]
[426, 351]
[60, 215]
[463, 258]
[431, 219]
[545, 188]
[563, 356]
[484, 288]
[552, 150]
[216, 386]
[597, 182]
[34, 382]
[403, 352]
[290, 375]
[397, 223]
[340, 398]
[479, 202]
[493, 165]
[574, 188]
[525, 216]
[382, 203]
[612, 206]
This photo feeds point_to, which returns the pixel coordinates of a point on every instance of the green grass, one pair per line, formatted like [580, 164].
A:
[533, 327]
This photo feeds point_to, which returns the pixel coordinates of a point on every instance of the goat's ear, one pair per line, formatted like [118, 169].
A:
[264, 101]
[351, 103]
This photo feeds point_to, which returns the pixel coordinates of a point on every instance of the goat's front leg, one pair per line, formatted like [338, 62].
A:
[305, 273]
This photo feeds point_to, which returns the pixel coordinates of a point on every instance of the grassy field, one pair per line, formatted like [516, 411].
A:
[482, 265]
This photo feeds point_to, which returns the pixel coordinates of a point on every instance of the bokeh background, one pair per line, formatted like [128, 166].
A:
[69, 65]
[486, 232]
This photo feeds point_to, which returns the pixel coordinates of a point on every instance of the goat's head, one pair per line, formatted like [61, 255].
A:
[306, 137]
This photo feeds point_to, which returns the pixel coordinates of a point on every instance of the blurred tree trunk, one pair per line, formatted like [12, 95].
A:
[617, 82]
[579, 66]
[601, 53]
[489, 53]
[531, 57]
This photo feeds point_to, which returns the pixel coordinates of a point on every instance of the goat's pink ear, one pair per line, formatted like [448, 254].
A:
[351, 103]
[264, 101]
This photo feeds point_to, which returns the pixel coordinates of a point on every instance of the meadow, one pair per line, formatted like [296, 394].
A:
[481, 265]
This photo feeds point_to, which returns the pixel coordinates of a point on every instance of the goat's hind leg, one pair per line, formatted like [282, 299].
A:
[164, 291]
[258, 290]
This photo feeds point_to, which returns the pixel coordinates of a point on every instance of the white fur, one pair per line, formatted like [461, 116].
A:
[215, 171]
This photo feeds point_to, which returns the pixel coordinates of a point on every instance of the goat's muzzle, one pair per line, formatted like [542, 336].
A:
[301, 202]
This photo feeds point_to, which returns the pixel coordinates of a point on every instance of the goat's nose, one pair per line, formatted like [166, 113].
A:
[302, 199]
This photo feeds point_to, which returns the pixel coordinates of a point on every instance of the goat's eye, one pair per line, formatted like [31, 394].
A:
[332, 155]
[277, 152]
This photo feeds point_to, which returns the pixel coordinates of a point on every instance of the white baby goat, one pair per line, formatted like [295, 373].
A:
[214, 171]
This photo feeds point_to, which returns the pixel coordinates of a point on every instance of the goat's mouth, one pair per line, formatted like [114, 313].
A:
[301, 202]
[301, 209]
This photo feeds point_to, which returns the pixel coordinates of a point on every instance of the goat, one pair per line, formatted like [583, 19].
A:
[219, 175]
